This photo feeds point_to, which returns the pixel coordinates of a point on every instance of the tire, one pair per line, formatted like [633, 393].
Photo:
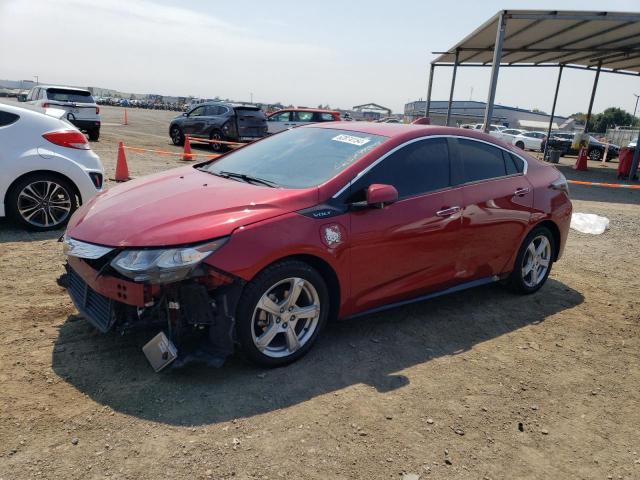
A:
[266, 336]
[520, 145]
[177, 137]
[217, 147]
[42, 202]
[94, 134]
[594, 154]
[521, 282]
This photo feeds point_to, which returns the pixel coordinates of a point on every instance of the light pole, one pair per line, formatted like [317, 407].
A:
[636, 107]
[36, 77]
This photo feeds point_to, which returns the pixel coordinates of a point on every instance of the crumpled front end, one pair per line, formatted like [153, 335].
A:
[195, 313]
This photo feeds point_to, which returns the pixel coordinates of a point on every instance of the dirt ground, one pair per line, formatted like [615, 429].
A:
[480, 384]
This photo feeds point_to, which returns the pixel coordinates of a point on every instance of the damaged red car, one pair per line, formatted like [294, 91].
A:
[260, 247]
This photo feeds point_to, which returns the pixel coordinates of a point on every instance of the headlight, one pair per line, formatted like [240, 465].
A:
[163, 265]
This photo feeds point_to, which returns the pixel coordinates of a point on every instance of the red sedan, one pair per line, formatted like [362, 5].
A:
[262, 246]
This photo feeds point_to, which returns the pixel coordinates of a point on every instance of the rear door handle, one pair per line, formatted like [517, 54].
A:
[521, 192]
[447, 212]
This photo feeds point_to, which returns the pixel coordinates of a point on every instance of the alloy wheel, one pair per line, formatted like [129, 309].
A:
[536, 261]
[595, 155]
[176, 136]
[286, 317]
[44, 203]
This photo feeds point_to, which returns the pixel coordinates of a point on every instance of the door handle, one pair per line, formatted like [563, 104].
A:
[521, 192]
[447, 212]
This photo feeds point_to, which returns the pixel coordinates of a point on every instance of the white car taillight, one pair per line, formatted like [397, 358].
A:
[561, 184]
[68, 139]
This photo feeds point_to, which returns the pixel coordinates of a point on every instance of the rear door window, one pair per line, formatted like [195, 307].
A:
[303, 116]
[7, 118]
[326, 117]
[480, 161]
[64, 95]
[418, 168]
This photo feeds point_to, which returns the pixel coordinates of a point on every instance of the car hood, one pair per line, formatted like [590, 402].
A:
[179, 207]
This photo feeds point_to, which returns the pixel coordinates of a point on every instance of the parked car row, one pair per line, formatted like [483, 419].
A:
[145, 104]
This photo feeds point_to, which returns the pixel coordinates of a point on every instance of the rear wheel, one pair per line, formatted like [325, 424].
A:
[520, 144]
[42, 202]
[595, 154]
[534, 261]
[217, 147]
[281, 313]
[94, 134]
[177, 137]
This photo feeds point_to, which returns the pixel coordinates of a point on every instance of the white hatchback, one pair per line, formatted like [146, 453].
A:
[530, 141]
[48, 168]
[80, 107]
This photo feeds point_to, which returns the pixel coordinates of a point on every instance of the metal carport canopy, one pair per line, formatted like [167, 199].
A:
[587, 40]
[536, 37]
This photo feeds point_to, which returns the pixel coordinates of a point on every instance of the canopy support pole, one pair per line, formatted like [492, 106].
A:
[495, 67]
[453, 86]
[553, 112]
[593, 96]
[427, 108]
[634, 163]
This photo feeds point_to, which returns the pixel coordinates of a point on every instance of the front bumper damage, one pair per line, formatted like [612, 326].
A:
[197, 314]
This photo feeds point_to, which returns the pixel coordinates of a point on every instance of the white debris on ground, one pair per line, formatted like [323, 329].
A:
[589, 223]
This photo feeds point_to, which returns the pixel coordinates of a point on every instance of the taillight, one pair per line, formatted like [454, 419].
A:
[46, 105]
[561, 184]
[97, 110]
[68, 138]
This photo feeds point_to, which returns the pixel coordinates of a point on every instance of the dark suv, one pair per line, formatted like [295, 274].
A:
[220, 121]
[563, 142]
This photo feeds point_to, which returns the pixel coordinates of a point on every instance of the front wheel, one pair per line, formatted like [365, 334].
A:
[520, 145]
[177, 137]
[534, 261]
[281, 313]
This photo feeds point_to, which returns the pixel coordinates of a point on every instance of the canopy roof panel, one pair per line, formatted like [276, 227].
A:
[541, 37]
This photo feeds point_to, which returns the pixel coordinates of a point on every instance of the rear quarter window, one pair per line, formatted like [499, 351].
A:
[7, 118]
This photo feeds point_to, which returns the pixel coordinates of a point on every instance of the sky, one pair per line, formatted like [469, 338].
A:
[312, 52]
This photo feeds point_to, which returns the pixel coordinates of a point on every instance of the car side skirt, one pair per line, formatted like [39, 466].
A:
[458, 288]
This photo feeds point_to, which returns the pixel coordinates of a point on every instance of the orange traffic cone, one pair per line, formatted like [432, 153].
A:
[126, 118]
[186, 155]
[122, 171]
[581, 162]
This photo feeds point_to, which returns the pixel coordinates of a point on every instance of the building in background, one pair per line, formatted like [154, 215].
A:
[471, 111]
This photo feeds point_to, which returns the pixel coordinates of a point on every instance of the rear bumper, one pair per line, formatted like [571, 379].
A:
[86, 124]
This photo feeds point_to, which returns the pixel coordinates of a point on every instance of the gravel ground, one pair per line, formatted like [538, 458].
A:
[480, 384]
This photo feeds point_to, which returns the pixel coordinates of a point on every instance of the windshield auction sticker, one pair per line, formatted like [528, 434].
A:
[359, 141]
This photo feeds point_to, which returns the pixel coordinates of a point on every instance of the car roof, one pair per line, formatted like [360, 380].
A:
[319, 110]
[77, 89]
[404, 132]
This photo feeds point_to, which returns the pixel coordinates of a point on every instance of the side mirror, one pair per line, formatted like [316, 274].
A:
[379, 195]
[185, 114]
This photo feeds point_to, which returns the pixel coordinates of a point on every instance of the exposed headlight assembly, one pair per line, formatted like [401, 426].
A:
[164, 265]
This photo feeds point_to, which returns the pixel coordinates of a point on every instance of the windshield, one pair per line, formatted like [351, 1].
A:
[298, 158]
[75, 96]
